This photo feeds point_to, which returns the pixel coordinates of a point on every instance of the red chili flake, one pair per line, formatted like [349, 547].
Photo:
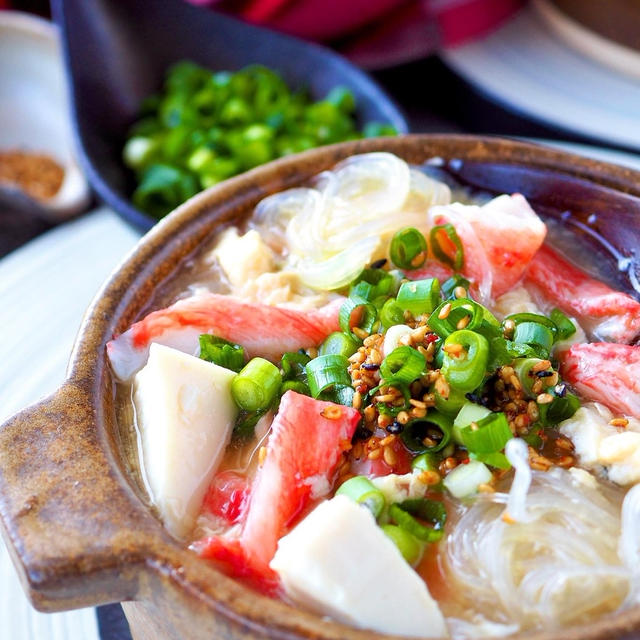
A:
[431, 337]
[465, 461]
[362, 389]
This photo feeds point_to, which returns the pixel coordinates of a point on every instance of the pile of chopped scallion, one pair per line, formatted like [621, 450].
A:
[207, 126]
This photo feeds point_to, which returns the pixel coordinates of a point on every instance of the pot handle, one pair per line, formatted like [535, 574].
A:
[74, 528]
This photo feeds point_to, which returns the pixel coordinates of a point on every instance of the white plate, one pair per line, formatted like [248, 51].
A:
[526, 68]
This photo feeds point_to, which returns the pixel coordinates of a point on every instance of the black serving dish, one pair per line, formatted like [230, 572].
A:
[116, 54]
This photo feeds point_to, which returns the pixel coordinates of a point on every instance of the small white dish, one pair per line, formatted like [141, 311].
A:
[34, 110]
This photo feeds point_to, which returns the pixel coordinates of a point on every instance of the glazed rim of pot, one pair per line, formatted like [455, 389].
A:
[79, 531]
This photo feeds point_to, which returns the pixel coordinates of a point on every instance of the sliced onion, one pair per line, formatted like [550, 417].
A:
[372, 183]
[340, 269]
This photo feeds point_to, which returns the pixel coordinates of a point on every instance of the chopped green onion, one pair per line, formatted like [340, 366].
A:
[408, 249]
[257, 385]
[565, 328]
[450, 405]
[374, 283]
[417, 431]
[361, 490]
[293, 366]
[453, 311]
[404, 514]
[391, 314]
[465, 479]
[327, 371]
[404, 364]
[339, 395]
[221, 352]
[349, 311]
[536, 335]
[465, 371]
[427, 461]
[491, 435]
[449, 286]
[523, 368]
[246, 422]
[295, 385]
[561, 408]
[447, 246]
[419, 296]
[494, 459]
[339, 343]
[470, 412]
[410, 548]
[527, 316]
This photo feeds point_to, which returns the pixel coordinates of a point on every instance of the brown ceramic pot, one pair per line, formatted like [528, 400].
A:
[74, 519]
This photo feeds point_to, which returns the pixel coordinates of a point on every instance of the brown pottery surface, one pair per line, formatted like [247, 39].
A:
[79, 531]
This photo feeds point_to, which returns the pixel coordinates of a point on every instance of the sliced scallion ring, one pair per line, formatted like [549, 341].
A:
[404, 364]
[446, 317]
[404, 514]
[420, 296]
[256, 386]
[350, 309]
[447, 246]
[490, 435]
[361, 490]
[416, 431]
[408, 249]
[327, 371]
[465, 369]
[339, 343]
[565, 328]
[536, 335]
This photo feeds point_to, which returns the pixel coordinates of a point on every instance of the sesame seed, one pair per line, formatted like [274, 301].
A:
[544, 398]
[389, 456]
[429, 477]
[356, 403]
[417, 412]
[619, 422]
[333, 412]
[444, 312]
[375, 454]
[419, 259]
[262, 455]
[402, 417]
[384, 421]
[360, 333]
[417, 403]
[460, 292]
[463, 322]
[386, 397]
[453, 349]
[540, 366]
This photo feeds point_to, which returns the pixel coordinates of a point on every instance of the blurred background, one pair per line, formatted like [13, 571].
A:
[94, 110]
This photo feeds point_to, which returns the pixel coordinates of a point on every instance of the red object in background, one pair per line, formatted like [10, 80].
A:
[376, 33]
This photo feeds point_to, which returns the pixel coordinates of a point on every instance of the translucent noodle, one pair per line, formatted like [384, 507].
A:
[559, 567]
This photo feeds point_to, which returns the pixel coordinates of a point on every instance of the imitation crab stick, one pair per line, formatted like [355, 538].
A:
[261, 329]
[605, 372]
[499, 240]
[610, 315]
[306, 443]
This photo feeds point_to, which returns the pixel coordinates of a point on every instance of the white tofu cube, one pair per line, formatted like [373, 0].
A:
[185, 414]
[338, 562]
